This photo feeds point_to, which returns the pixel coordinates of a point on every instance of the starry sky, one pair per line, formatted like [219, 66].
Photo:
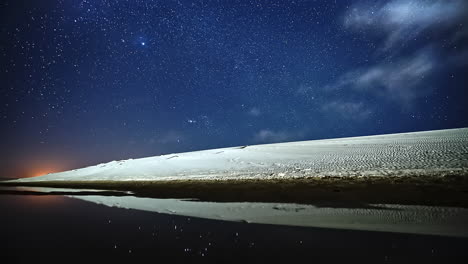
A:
[90, 81]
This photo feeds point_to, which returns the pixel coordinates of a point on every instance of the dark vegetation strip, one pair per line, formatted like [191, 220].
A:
[437, 190]
[30, 192]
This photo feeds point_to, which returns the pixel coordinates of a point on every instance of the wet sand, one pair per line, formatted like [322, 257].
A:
[444, 189]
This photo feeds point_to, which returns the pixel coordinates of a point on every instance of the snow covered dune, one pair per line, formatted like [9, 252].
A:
[402, 154]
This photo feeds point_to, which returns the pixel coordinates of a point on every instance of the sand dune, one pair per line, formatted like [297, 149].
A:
[403, 154]
[296, 171]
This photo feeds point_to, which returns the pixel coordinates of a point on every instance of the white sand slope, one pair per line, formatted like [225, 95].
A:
[394, 154]
[421, 153]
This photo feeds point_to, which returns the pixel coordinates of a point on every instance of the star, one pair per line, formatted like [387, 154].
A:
[216, 74]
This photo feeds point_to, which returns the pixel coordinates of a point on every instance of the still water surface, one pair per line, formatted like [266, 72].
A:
[51, 227]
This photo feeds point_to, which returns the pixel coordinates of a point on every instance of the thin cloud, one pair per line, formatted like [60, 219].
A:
[348, 110]
[271, 136]
[255, 112]
[401, 81]
[401, 20]
[398, 76]
[170, 137]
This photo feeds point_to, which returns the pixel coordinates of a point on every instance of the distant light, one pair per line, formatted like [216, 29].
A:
[42, 172]
[143, 43]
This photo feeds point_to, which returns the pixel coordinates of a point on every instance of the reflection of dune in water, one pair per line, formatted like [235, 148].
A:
[446, 221]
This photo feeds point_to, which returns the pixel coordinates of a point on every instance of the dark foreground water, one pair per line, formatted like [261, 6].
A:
[45, 229]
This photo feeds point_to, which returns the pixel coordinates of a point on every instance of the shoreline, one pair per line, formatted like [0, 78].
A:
[329, 191]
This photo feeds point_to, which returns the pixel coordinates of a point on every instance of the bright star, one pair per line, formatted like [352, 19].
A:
[143, 43]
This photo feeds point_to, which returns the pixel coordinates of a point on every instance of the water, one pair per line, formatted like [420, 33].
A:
[53, 228]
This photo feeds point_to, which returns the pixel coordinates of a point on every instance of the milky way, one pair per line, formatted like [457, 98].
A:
[85, 82]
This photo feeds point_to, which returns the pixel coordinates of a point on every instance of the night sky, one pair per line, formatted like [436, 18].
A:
[85, 82]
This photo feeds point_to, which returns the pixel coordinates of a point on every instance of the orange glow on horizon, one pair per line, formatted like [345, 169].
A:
[43, 171]
[39, 164]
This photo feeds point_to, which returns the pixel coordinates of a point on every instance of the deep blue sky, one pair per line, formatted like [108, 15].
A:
[84, 82]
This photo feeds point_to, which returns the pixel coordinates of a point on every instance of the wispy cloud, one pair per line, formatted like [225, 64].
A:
[401, 20]
[398, 76]
[271, 136]
[254, 111]
[170, 137]
[348, 110]
[400, 81]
